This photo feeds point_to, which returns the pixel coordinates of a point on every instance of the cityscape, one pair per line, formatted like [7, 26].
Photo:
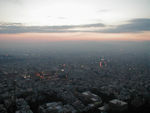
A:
[114, 80]
[74, 56]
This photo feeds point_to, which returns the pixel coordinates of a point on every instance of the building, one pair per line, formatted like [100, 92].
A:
[104, 109]
[22, 106]
[91, 99]
[117, 105]
[56, 107]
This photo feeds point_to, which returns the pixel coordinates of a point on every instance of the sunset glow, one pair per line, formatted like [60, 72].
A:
[52, 37]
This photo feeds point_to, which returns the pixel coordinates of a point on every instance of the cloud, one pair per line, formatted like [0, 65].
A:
[12, 1]
[103, 10]
[92, 25]
[132, 26]
[19, 28]
[62, 18]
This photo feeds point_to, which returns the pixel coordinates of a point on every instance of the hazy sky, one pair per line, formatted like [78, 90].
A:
[97, 18]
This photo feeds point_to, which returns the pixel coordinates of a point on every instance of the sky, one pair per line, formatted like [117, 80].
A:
[59, 20]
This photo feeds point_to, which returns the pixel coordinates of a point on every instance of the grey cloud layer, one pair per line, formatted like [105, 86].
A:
[18, 28]
[135, 25]
[132, 26]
